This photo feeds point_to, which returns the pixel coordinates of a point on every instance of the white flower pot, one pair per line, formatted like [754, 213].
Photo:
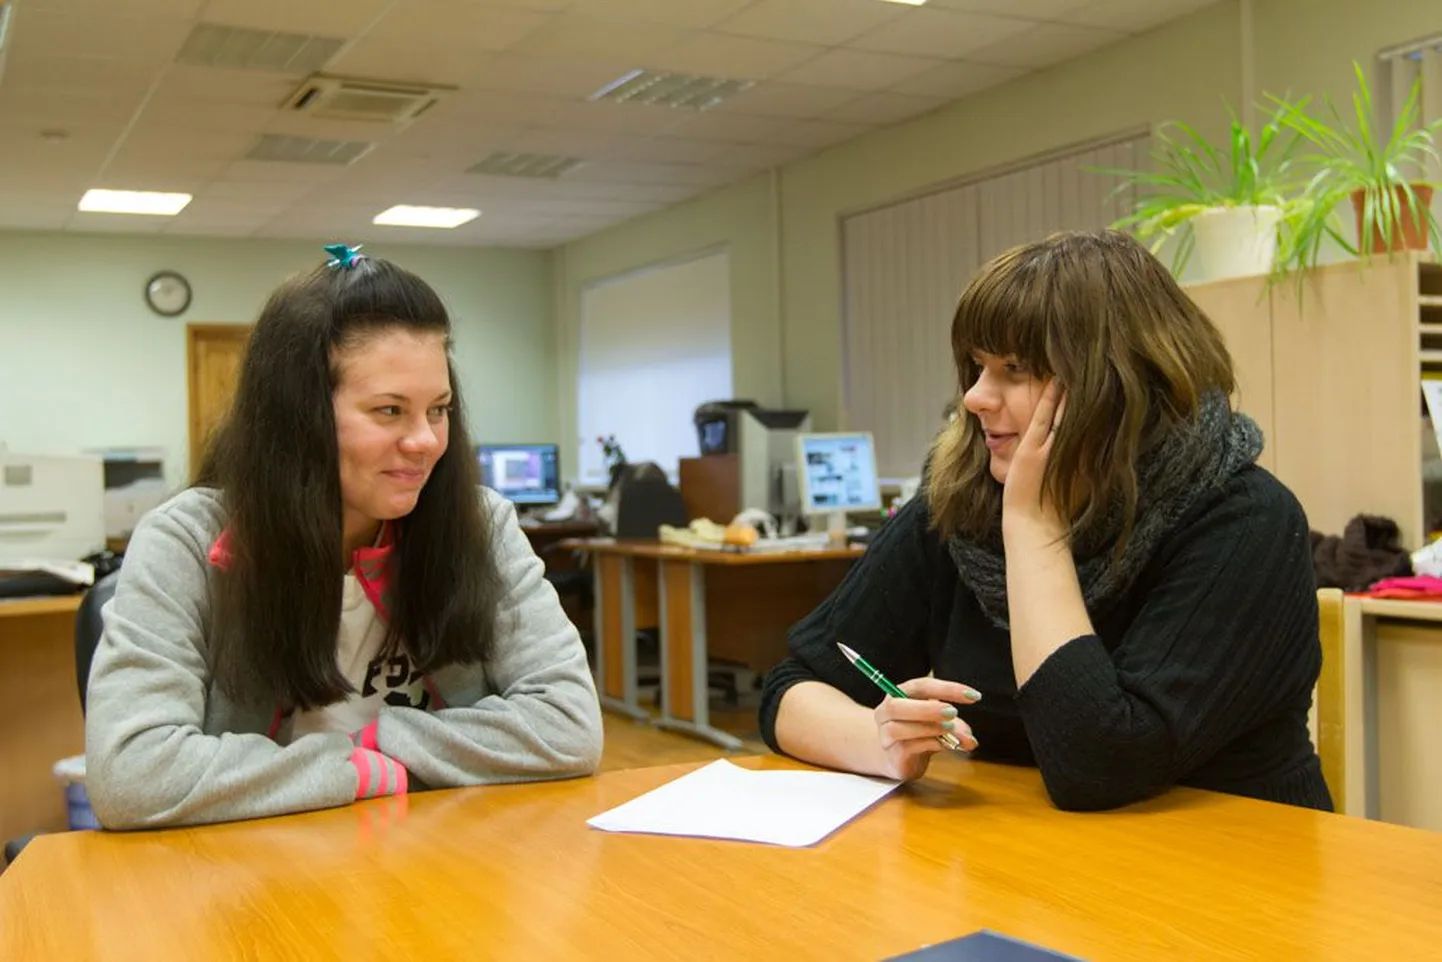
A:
[1236, 241]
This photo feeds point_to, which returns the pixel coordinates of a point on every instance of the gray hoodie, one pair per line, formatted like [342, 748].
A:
[165, 747]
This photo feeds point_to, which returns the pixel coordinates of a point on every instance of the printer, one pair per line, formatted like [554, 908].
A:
[52, 507]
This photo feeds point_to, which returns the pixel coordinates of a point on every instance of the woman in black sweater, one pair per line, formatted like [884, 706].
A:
[1127, 596]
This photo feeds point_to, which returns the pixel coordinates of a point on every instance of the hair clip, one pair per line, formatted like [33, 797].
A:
[343, 256]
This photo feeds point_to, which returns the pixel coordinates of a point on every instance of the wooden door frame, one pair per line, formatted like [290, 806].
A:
[193, 333]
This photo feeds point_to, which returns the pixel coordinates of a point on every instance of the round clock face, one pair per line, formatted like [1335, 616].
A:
[167, 293]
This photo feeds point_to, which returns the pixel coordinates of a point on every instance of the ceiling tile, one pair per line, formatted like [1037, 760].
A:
[818, 133]
[184, 228]
[859, 69]
[677, 13]
[671, 150]
[100, 34]
[348, 19]
[547, 5]
[825, 22]
[957, 79]
[589, 39]
[639, 172]
[924, 32]
[1133, 16]
[451, 23]
[90, 222]
[184, 116]
[758, 156]
[657, 193]
[723, 125]
[1046, 44]
[714, 55]
[263, 172]
[17, 219]
[779, 99]
[1021, 9]
[242, 192]
[221, 86]
[58, 110]
[26, 68]
[564, 141]
[408, 62]
[613, 117]
[173, 9]
[884, 108]
[545, 75]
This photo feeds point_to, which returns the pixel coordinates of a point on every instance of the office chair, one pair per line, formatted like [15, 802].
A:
[88, 626]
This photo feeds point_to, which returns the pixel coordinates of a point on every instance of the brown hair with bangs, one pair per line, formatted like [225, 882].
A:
[1132, 353]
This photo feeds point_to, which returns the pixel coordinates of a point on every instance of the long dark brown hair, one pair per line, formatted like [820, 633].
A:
[277, 602]
[1133, 354]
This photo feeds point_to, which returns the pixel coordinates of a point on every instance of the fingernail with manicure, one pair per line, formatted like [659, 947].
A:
[972, 693]
[948, 712]
[948, 725]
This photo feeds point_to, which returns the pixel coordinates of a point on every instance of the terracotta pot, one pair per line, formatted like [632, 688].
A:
[1411, 227]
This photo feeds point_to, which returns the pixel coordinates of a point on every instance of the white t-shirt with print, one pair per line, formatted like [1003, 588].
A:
[377, 680]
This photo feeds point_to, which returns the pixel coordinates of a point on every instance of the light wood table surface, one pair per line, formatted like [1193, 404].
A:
[514, 873]
[40, 719]
[731, 605]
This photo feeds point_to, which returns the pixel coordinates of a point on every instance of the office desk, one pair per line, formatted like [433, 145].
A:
[1392, 692]
[40, 720]
[727, 605]
[512, 872]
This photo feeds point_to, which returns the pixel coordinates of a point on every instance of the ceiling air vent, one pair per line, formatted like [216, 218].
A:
[683, 91]
[236, 48]
[305, 150]
[505, 163]
[342, 98]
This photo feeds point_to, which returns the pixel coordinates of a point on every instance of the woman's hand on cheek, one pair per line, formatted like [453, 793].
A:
[1024, 501]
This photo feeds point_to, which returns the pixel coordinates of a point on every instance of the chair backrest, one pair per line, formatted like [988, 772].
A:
[88, 627]
[1328, 717]
[645, 504]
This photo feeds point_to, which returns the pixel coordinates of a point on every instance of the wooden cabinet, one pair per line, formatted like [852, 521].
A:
[1332, 376]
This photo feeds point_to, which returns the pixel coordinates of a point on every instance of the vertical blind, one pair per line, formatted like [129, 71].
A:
[655, 344]
[904, 265]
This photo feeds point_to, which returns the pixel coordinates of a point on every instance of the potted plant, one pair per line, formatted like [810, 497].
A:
[1383, 179]
[1227, 205]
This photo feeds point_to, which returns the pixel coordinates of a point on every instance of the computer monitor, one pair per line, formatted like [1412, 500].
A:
[836, 473]
[521, 473]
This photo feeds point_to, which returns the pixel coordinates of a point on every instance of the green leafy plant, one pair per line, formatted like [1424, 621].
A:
[1349, 159]
[1190, 176]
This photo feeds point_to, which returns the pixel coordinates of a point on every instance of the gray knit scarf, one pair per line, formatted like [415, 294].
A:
[1174, 475]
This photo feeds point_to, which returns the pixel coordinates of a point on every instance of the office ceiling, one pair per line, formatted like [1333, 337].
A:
[109, 93]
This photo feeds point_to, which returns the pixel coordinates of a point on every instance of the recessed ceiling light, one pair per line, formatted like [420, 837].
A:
[910, 3]
[134, 202]
[403, 215]
[685, 91]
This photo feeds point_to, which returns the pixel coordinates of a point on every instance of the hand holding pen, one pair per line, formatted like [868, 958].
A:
[915, 721]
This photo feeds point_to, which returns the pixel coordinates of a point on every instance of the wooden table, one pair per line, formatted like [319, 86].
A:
[722, 604]
[40, 719]
[1392, 691]
[513, 872]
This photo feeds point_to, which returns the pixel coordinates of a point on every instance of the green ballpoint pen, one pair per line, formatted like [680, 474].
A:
[884, 683]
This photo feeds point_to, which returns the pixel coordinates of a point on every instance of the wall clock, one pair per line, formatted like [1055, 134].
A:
[167, 293]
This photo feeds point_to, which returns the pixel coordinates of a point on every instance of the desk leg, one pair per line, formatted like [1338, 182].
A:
[616, 635]
[685, 694]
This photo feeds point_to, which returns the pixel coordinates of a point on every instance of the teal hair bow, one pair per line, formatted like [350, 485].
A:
[342, 256]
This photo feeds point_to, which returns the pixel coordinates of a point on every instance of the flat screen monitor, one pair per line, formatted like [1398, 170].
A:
[521, 473]
[836, 473]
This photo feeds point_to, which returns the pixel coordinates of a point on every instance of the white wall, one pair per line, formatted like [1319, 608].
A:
[84, 362]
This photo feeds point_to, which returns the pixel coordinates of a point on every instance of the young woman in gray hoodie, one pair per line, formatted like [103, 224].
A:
[335, 610]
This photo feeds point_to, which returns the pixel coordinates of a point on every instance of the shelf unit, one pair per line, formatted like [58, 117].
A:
[1333, 379]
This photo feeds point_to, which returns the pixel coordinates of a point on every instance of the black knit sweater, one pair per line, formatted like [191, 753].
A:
[1201, 675]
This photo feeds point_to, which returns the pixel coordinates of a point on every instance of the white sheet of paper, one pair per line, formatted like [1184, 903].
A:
[723, 800]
